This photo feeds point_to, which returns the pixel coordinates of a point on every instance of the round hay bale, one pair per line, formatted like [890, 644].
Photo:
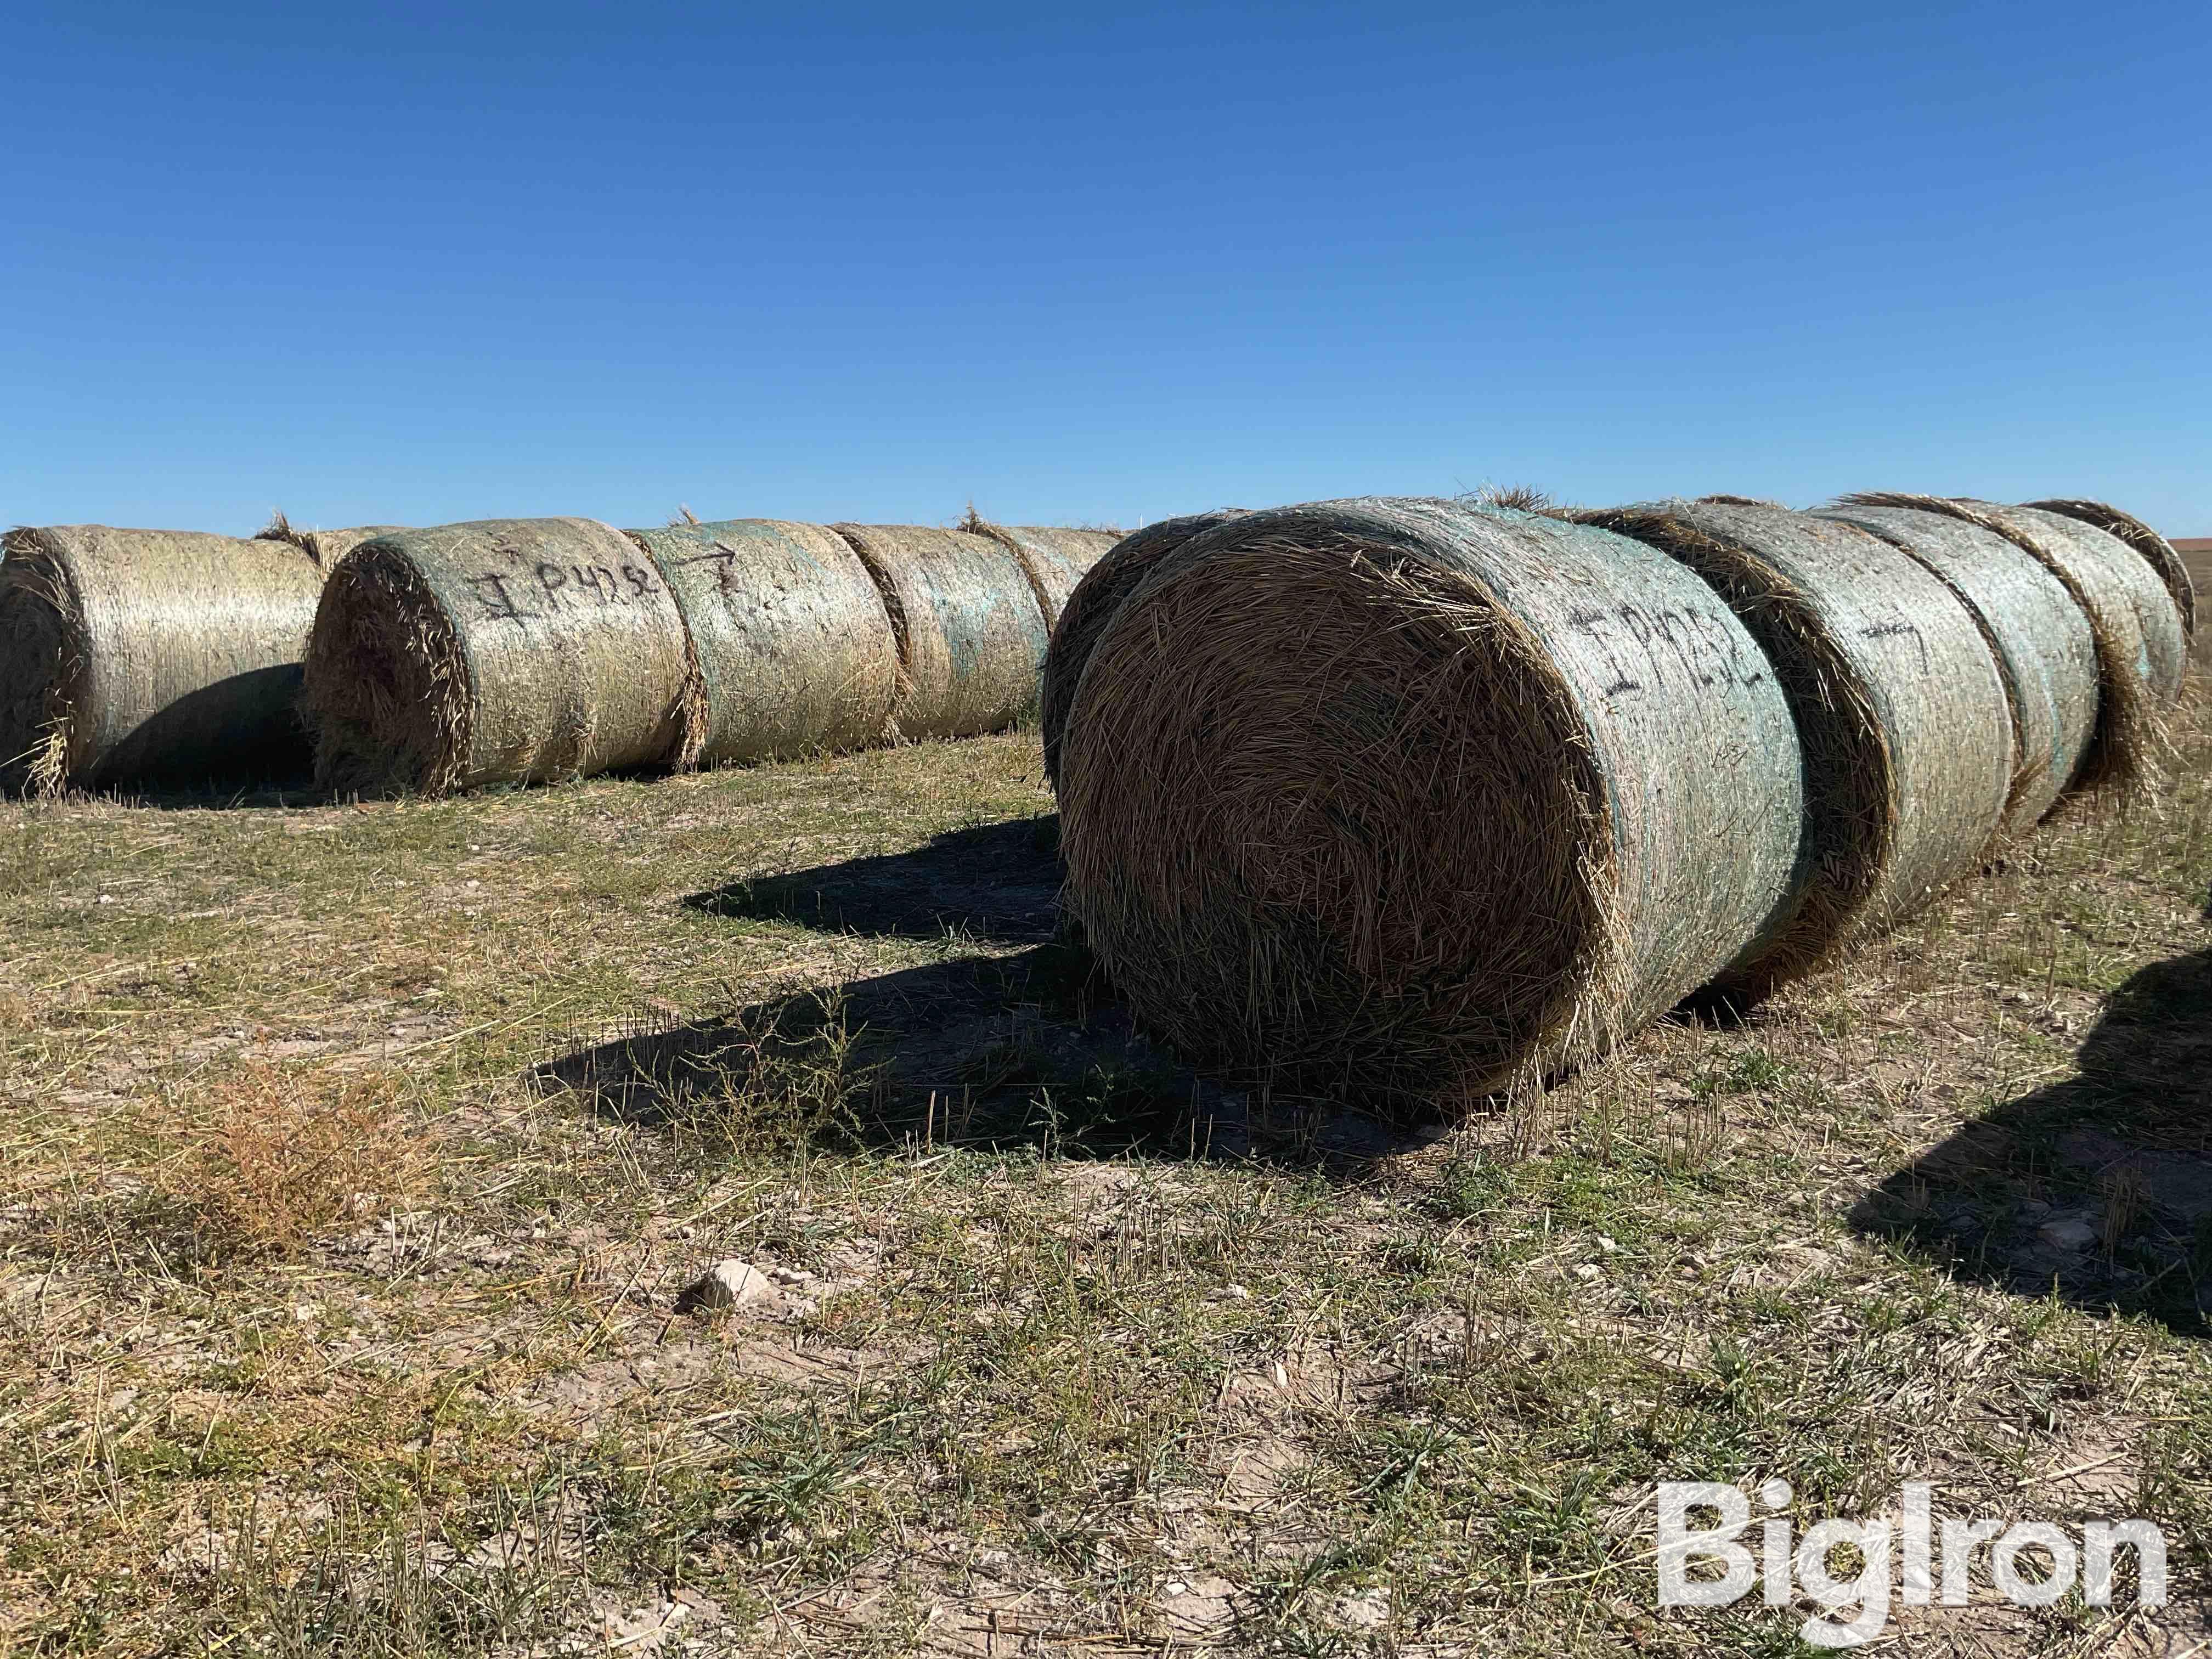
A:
[507, 650]
[324, 547]
[2164, 558]
[2142, 652]
[1091, 606]
[795, 648]
[971, 634]
[1054, 560]
[2044, 648]
[131, 655]
[1420, 800]
[1900, 709]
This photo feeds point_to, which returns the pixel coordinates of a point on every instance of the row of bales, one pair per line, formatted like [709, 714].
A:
[1423, 801]
[511, 651]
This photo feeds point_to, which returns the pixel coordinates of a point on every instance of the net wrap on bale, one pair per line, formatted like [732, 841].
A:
[1906, 733]
[2039, 635]
[795, 648]
[1090, 606]
[971, 635]
[2161, 553]
[1054, 559]
[129, 655]
[2142, 650]
[1416, 800]
[504, 651]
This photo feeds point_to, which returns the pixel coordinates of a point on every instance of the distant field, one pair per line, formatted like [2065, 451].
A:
[354, 1160]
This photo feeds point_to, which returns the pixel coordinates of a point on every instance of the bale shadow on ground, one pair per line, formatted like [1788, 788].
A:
[2097, 1188]
[998, 881]
[984, 1051]
[1030, 1047]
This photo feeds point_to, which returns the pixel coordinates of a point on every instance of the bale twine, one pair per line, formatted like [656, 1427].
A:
[2142, 652]
[1901, 711]
[2044, 648]
[129, 655]
[1091, 606]
[508, 651]
[795, 648]
[2163, 556]
[1053, 558]
[971, 634]
[1417, 800]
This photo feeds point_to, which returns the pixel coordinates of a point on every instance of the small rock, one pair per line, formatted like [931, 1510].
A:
[1588, 1270]
[2067, 1233]
[731, 1284]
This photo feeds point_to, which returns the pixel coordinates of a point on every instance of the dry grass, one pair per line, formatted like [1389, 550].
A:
[1038, 1374]
[288, 1157]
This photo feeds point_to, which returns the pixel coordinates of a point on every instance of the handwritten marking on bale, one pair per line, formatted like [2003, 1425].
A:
[1415, 800]
[2042, 643]
[2163, 556]
[971, 632]
[1906, 733]
[129, 655]
[1091, 606]
[2142, 652]
[795, 649]
[506, 651]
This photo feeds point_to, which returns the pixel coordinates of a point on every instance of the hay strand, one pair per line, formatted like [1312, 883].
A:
[795, 649]
[971, 635]
[2041, 638]
[1906, 733]
[1091, 607]
[504, 651]
[1415, 800]
[139, 655]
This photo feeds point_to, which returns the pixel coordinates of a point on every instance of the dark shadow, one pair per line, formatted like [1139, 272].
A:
[242, 730]
[990, 1052]
[999, 882]
[2097, 1189]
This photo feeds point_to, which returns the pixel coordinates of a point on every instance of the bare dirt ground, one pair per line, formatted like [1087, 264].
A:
[358, 1161]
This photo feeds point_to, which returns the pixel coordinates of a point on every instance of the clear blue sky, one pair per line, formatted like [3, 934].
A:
[423, 263]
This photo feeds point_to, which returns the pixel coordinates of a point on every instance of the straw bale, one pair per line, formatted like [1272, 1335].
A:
[504, 651]
[971, 635]
[324, 547]
[1091, 606]
[1054, 559]
[1414, 800]
[2164, 557]
[2142, 651]
[795, 648]
[2042, 642]
[143, 655]
[1900, 708]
